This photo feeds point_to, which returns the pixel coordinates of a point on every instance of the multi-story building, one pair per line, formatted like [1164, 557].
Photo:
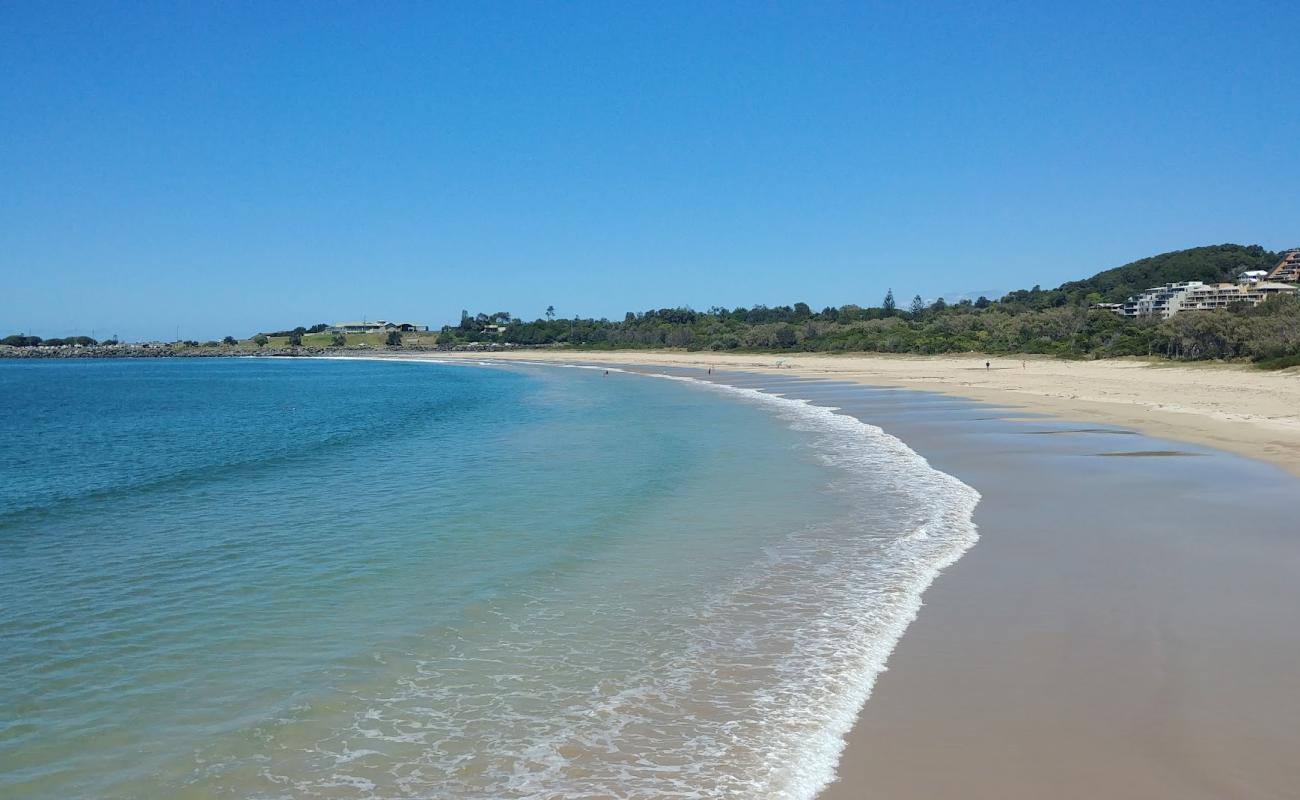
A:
[1165, 301]
[1288, 269]
[1223, 295]
[1161, 301]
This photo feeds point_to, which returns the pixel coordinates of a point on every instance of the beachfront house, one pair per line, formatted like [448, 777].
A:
[378, 326]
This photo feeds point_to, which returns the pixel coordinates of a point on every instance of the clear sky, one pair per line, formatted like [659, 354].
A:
[226, 168]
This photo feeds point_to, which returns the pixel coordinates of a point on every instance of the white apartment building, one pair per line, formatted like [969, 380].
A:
[1165, 301]
[1161, 301]
[1222, 295]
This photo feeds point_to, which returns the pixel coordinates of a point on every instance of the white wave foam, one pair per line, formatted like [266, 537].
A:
[755, 697]
[946, 531]
[855, 630]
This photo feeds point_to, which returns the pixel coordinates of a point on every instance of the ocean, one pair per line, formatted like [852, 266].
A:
[266, 578]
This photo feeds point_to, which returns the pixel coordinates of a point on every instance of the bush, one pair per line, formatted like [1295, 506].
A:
[1279, 363]
[394, 339]
[21, 341]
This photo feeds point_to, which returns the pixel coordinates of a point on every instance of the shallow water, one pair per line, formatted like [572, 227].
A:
[257, 578]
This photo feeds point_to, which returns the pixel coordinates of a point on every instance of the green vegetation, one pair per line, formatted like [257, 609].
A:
[1279, 363]
[1062, 322]
[1213, 264]
[1055, 321]
[300, 330]
[325, 339]
[18, 340]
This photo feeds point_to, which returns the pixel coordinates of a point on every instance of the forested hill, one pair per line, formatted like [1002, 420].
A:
[1062, 321]
[1211, 264]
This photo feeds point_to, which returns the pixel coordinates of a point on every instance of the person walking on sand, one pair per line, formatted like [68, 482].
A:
[987, 366]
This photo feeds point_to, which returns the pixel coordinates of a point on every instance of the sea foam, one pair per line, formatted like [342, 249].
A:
[777, 664]
[859, 626]
[747, 688]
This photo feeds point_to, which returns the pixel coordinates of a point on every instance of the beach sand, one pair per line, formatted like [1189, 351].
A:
[1235, 408]
[1125, 628]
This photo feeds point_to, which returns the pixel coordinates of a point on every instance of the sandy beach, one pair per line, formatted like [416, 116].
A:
[1123, 628]
[1234, 408]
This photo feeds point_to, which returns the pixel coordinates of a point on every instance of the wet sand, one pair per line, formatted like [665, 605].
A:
[1125, 628]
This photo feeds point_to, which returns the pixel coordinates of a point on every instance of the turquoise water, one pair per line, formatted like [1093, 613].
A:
[264, 578]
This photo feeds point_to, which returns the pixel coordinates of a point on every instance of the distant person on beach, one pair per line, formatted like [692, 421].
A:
[987, 366]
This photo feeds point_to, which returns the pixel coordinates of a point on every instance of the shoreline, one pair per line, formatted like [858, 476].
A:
[1081, 649]
[1227, 407]
[1114, 633]
[1245, 412]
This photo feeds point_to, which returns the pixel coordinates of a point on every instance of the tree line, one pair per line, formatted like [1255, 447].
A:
[1061, 321]
[19, 340]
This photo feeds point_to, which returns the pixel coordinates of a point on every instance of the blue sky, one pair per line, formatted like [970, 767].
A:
[227, 168]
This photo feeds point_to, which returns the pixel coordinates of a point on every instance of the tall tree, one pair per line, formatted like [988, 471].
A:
[888, 304]
[918, 306]
[550, 312]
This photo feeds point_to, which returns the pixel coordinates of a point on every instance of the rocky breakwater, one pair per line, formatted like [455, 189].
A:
[190, 351]
[156, 351]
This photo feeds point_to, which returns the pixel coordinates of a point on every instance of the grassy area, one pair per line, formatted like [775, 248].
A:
[1279, 363]
[427, 339]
